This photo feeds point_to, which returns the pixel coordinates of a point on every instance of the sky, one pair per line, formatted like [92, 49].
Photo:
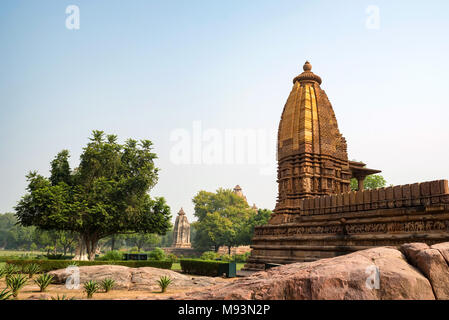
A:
[188, 75]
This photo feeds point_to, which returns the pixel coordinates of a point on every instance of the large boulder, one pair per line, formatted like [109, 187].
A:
[432, 263]
[134, 278]
[375, 274]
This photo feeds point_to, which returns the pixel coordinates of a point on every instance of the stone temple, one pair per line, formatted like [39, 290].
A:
[181, 231]
[316, 215]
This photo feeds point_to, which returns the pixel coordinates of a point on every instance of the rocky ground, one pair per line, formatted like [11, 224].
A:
[131, 283]
[413, 271]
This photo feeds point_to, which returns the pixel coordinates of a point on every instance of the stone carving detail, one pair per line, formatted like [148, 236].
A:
[181, 232]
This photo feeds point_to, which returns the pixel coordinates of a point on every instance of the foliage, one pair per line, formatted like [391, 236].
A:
[209, 255]
[172, 257]
[107, 194]
[31, 269]
[220, 217]
[140, 240]
[16, 283]
[374, 181]
[157, 254]
[164, 282]
[49, 265]
[5, 294]
[10, 269]
[44, 281]
[226, 257]
[91, 287]
[241, 257]
[201, 267]
[112, 256]
[107, 284]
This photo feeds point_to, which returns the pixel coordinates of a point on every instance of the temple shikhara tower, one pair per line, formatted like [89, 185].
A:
[317, 215]
[181, 231]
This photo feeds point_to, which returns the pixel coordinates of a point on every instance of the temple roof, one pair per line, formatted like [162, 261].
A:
[181, 212]
[307, 75]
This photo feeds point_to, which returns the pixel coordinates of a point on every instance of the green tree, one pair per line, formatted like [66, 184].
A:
[107, 194]
[374, 181]
[142, 240]
[224, 219]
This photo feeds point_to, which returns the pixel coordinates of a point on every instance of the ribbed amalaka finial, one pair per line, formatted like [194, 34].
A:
[307, 66]
[307, 75]
[181, 212]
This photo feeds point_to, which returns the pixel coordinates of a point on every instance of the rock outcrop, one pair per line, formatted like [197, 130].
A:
[416, 272]
[135, 278]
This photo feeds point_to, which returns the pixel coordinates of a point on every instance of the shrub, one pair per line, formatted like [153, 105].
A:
[202, 267]
[241, 257]
[209, 255]
[49, 265]
[164, 282]
[157, 254]
[15, 283]
[30, 269]
[112, 255]
[5, 294]
[43, 281]
[91, 287]
[226, 257]
[172, 257]
[107, 284]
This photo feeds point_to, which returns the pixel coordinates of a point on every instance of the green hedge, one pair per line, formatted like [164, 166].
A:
[202, 267]
[49, 265]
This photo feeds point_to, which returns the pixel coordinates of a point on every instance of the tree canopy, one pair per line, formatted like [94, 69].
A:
[374, 181]
[224, 219]
[106, 194]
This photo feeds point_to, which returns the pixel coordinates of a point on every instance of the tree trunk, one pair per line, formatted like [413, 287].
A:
[113, 242]
[81, 252]
[216, 248]
[229, 250]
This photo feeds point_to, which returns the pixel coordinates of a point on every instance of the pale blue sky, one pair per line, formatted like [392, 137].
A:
[143, 69]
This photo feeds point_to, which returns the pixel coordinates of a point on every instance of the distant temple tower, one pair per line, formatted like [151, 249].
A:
[238, 191]
[181, 232]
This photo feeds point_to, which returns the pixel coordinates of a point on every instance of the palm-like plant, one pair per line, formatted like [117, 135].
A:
[31, 269]
[10, 269]
[164, 282]
[15, 283]
[107, 284]
[2, 272]
[91, 287]
[44, 281]
[5, 294]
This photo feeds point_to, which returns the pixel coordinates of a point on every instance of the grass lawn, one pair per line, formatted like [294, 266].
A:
[18, 253]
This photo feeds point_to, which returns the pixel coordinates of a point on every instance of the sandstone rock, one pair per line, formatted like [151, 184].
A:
[444, 250]
[432, 264]
[41, 296]
[345, 277]
[135, 278]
